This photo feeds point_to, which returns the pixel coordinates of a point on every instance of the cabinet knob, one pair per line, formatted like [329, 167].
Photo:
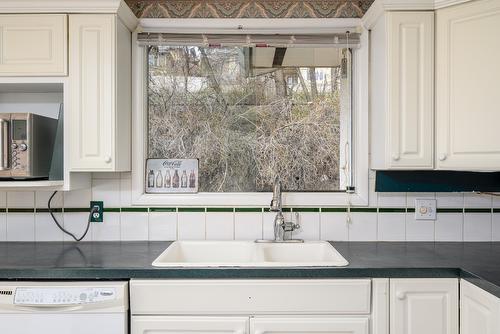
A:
[107, 159]
[401, 295]
[442, 157]
[395, 157]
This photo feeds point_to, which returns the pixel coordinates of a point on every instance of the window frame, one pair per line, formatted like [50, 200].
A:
[359, 122]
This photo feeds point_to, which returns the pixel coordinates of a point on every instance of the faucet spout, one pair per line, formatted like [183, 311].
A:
[276, 204]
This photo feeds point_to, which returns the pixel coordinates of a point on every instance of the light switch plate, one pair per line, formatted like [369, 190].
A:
[425, 209]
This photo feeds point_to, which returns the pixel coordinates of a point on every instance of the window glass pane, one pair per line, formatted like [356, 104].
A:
[248, 114]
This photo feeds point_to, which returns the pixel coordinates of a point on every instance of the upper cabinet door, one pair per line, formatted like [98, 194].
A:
[189, 325]
[33, 45]
[424, 306]
[467, 90]
[92, 48]
[410, 79]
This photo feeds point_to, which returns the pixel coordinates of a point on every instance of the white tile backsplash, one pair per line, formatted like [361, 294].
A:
[163, 226]
[309, 225]
[477, 226]
[134, 226]
[46, 229]
[115, 190]
[449, 227]
[248, 225]
[76, 223]
[3, 226]
[20, 227]
[391, 226]
[20, 199]
[191, 225]
[220, 226]
[334, 226]
[419, 230]
[109, 229]
[363, 226]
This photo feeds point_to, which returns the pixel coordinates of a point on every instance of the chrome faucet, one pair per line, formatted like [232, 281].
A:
[280, 225]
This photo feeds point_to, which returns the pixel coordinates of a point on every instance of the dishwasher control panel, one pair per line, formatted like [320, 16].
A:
[62, 296]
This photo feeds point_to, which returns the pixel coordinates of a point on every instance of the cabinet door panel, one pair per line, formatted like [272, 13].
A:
[33, 45]
[92, 73]
[467, 72]
[300, 325]
[410, 52]
[191, 325]
[479, 311]
[424, 306]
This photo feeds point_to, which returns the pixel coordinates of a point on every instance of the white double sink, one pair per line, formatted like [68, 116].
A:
[250, 254]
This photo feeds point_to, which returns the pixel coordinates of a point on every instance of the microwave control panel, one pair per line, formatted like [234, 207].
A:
[19, 146]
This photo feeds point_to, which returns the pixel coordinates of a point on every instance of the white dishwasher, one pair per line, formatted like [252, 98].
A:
[63, 307]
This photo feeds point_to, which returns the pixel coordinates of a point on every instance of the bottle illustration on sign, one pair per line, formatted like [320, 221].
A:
[151, 179]
[168, 179]
[184, 179]
[192, 179]
[159, 179]
[175, 180]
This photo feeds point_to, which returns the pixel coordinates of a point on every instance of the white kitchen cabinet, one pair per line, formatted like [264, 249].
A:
[424, 306]
[467, 72]
[479, 310]
[402, 82]
[310, 325]
[100, 93]
[189, 324]
[33, 45]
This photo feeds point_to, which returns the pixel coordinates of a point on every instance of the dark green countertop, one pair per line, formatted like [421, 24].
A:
[478, 262]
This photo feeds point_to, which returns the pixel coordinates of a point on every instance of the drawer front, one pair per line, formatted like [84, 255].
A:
[189, 325]
[33, 45]
[178, 297]
[310, 325]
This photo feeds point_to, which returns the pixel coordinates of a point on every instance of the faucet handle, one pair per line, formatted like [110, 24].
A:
[290, 227]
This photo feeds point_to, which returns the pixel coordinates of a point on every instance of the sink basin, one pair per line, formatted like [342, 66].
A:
[249, 254]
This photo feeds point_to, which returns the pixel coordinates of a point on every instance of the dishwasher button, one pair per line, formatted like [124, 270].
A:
[83, 296]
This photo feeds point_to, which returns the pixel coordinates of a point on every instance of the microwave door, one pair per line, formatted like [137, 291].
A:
[4, 145]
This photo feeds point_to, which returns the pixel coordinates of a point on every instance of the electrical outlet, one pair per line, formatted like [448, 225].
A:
[97, 217]
[425, 209]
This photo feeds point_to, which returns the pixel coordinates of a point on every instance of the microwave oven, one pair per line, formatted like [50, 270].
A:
[26, 145]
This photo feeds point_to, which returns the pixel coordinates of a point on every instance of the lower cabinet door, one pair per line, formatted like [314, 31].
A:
[309, 325]
[479, 310]
[424, 306]
[191, 325]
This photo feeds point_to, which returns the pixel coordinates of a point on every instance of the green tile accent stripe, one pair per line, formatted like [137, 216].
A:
[247, 209]
[76, 209]
[135, 209]
[363, 209]
[3, 210]
[449, 210]
[477, 210]
[496, 210]
[220, 209]
[111, 209]
[333, 209]
[45, 210]
[191, 209]
[410, 209]
[305, 209]
[392, 210]
[21, 210]
[162, 209]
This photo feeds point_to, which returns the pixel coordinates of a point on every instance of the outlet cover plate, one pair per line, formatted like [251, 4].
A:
[97, 217]
[425, 209]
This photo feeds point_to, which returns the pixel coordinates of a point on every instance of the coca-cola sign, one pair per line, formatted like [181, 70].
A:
[165, 176]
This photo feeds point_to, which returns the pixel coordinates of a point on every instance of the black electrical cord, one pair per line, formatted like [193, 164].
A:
[62, 228]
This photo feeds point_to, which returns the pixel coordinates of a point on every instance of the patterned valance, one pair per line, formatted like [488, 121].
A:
[249, 8]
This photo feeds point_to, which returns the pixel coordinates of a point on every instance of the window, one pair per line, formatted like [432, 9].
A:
[249, 110]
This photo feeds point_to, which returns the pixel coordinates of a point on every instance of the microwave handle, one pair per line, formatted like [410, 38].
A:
[4, 144]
